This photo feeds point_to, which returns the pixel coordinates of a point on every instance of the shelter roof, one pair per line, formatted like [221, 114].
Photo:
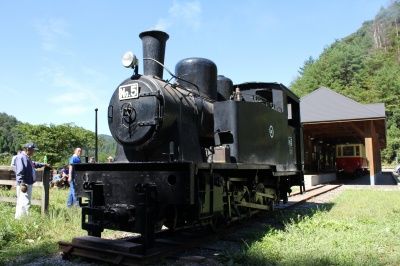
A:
[323, 105]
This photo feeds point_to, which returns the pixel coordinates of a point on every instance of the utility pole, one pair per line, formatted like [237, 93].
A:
[95, 139]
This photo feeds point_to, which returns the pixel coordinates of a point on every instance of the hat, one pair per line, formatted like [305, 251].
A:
[31, 146]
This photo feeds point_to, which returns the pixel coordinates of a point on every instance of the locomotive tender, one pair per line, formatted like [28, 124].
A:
[196, 151]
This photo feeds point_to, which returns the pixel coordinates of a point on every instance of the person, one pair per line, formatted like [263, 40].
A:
[110, 159]
[92, 160]
[75, 158]
[55, 180]
[64, 173]
[13, 160]
[25, 177]
[60, 177]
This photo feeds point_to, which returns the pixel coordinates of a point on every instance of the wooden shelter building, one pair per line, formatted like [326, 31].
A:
[329, 119]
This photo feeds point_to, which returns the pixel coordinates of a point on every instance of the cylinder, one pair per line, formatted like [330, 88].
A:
[153, 47]
[198, 75]
[224, 88]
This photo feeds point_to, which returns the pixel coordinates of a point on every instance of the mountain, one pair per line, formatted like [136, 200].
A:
[107, 147]
[364, 66]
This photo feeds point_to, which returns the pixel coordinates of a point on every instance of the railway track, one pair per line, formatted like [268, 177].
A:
[128, 251]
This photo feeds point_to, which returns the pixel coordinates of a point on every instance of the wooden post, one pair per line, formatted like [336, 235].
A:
[45, 190]
[371, 147]
[370, 156]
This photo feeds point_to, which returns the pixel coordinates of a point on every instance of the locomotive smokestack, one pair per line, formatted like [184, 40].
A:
[153, 47]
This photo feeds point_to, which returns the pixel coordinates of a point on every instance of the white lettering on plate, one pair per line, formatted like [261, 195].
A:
[129, 91]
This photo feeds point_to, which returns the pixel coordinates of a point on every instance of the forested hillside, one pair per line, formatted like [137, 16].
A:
[56, 142]
[107, 147]
[364, 66]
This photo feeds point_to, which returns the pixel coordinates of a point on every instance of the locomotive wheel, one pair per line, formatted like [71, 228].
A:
[258, 199]
[245, 211]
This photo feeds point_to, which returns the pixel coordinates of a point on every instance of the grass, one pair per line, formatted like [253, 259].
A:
[36, 193]
[361, 227]
[36, 235]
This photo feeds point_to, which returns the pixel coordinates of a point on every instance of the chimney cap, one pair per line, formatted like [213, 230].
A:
[155, 34]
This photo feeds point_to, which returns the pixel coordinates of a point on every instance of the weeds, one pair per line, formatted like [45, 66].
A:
[361, 228]
[36, 235]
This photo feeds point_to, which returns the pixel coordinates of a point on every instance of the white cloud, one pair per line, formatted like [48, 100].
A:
[50, 31]
[10, 91]
[186, 14]
[254, 17]
[72, 96]
[162, 24]
[71, 110]
[56, 75]
[72, 92]
[93, 74]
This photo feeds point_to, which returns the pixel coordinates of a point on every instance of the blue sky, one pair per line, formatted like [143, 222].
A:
[59, 60]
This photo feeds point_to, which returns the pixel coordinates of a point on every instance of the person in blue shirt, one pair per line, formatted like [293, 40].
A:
[75, 158]
[25, 176]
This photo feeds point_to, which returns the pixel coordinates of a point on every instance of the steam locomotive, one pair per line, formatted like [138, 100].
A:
[194, 150]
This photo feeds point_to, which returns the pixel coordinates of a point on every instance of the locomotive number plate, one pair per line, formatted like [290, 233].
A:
[130, 91]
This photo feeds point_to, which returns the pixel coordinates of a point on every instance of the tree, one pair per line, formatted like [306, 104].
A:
[364, 66]
[56, 142]
[306, 65]
[8, 133]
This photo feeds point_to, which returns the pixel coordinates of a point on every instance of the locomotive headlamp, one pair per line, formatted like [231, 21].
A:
[129, 60]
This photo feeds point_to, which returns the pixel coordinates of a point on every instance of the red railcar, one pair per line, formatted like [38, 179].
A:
[351, 159]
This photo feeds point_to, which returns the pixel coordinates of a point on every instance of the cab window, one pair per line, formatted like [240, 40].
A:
[339, 151]
[357, 150]
[348, 151]
[277, 98]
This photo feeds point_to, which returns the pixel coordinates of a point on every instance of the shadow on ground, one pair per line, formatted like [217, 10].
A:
[381, 179]
[231, 248]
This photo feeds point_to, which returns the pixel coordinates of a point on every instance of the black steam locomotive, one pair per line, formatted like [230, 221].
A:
[193, 150]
